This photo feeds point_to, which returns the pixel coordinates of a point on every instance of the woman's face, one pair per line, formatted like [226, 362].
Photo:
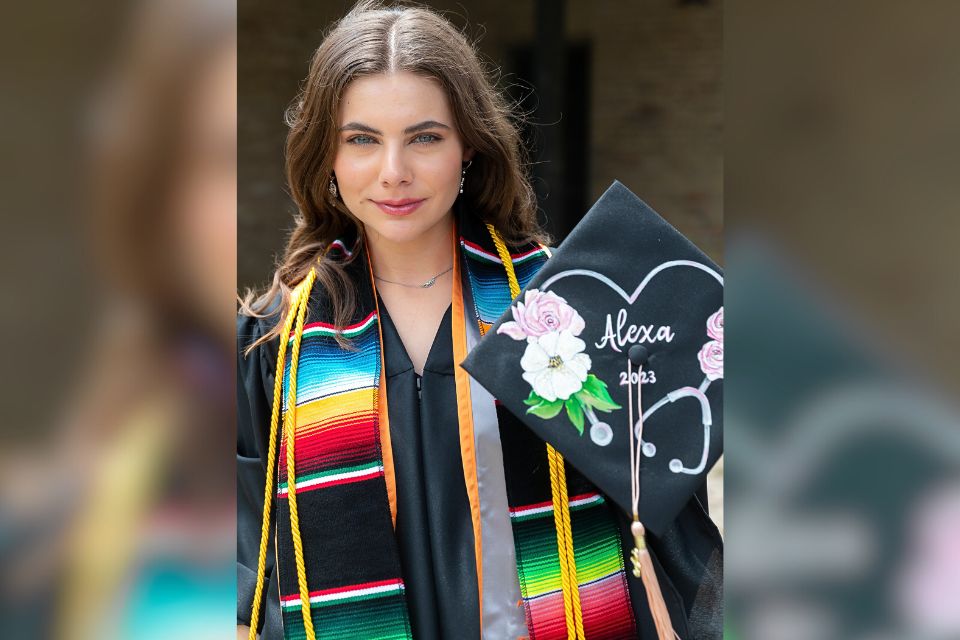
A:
[398, 145]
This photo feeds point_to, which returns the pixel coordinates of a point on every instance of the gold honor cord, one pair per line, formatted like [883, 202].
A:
[290, 420]
[297, 311]
[558, 486]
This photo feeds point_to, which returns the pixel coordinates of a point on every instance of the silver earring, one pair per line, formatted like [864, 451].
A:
[332, 187]
[463, 175]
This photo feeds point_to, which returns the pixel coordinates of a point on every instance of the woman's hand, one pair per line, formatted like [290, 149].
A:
[243, 632]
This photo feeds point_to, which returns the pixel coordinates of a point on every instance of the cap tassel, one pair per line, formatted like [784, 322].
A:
[643, 569]
[640, 556]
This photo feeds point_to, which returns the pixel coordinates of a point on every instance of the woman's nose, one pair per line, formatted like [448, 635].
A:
[394, 168]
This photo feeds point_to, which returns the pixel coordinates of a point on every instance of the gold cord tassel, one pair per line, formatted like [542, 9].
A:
[573, 613]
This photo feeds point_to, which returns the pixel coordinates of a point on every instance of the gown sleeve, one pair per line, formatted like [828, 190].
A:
[255, 374]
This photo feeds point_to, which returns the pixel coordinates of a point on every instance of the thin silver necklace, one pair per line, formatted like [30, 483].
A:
[426, 285]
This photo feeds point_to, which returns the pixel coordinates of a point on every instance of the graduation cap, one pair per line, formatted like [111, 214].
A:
[624, 320]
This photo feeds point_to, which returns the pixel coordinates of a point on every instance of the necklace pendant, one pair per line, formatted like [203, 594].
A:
[428, 283]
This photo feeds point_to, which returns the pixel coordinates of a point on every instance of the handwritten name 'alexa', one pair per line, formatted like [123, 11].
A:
[634, 334]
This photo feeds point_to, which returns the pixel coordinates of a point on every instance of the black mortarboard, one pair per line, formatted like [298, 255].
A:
[558, 358]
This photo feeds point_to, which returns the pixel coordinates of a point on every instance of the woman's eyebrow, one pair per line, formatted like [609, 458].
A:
[426, 124]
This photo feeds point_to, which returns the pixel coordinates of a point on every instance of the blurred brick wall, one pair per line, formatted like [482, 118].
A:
[655, 109]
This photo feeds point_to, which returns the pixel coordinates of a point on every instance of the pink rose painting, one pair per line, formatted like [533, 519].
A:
[711, 359]
[541, 313]
[711, 355]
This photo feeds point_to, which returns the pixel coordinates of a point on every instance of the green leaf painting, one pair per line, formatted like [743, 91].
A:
[575, 413]
[593, 394]
[545, 409]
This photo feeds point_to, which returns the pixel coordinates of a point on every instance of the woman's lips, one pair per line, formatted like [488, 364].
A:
[399, 207]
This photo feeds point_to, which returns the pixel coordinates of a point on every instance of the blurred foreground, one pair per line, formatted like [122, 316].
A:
[842, 426]
[117, 516]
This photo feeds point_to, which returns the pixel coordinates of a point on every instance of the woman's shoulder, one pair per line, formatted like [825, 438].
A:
[252, 328]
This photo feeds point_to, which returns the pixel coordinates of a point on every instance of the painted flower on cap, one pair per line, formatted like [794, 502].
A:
[715, 325]
[555, 365]
[711, 359]
[539, 314]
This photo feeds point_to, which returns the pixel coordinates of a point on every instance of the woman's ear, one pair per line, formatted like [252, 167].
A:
[468, 154]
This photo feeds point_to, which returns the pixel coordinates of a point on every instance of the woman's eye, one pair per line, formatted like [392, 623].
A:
[360, 140]
[426, 138]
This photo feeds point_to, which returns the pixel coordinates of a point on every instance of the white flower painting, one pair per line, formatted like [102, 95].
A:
[555, 365]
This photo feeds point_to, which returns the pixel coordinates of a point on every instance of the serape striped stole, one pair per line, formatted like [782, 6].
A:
[350, 553]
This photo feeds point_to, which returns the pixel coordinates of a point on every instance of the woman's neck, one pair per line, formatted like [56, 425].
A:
[416, 261]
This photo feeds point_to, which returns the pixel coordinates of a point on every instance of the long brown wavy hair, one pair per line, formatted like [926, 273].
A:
[373, 39]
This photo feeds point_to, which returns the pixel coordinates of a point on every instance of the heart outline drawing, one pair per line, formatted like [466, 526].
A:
[648, 448]
[613, 285]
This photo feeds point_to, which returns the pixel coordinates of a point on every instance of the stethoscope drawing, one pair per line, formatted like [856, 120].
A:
[706, 418]
[601, 433]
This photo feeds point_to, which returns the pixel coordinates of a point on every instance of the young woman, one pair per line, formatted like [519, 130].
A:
[416, 222]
